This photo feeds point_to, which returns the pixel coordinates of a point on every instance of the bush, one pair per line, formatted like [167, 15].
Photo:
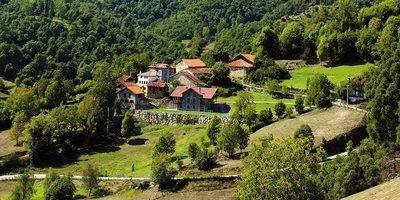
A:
[162, 173]
[206, 158]
[62, 188]
[9, 163]
[24, 188]
[299, 104]
[232, 136]
[280, 109]
[304, 131]
[266, 116]
[129, 125]
[193, 149]
[289, 112]
[90, 179]
[165, 145]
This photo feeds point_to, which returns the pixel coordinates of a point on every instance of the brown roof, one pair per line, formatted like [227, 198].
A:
[160, 66]
[205, 93]
[196, 71]
[249, 57]
[193, 63]
[190, 77]
[158, 84]
[149, 73]
[240, 64]
[125, 78]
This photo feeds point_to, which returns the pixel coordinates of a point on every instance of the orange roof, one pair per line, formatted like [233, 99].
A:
[240, 64]
[193, 63]
[205, 93]
[249, 57]
[134, 88]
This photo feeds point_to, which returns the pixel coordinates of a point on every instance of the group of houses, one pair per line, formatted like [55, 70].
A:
[191, 94]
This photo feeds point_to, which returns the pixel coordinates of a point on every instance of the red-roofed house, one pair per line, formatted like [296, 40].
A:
[189, 64]
[185, 78]
[240, 64]
[193, 98]
[130, 94]
[164, 71]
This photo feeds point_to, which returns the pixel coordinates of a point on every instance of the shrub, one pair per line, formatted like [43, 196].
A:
[62, 188]
[304, 131]
[231, 137]
[299, 104]
[129, 125]
[162, 173]
[165, 145]
[90, 179]
[23, 190]
[10, 163]
[206, 158]
[193, 149]
[280, 109]
[289, 112]
[266, 116]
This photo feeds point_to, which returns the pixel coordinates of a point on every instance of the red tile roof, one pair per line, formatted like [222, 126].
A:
[158, 84]
[205, 93]
[240, 64]
[193, 63]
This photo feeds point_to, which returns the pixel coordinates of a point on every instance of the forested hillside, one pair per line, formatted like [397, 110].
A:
[39, 36]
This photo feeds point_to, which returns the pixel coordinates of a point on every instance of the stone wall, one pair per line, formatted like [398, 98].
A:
[170, 118]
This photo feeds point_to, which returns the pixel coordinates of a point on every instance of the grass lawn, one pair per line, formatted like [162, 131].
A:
[118, 161]
[261, 100]
[334, 74]
[326, 123]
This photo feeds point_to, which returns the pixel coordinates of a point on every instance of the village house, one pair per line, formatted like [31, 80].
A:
[190, 64]
[193, 99]
[164, 71]
[130, 94]
[240, 64]
[156, 89]
[186, 78]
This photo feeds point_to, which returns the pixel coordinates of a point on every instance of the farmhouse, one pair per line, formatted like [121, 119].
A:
[240, 64]
[190, 64]
[193, 98]
[130, 94]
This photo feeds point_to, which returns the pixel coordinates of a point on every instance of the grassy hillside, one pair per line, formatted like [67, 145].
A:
[324, 123]
[389, 190]
[335, 74]
[117, 161]
[261, 100]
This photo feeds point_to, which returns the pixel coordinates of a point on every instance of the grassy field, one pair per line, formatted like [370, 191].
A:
[335, 74]
[385, 191]
[261, 100]
[118, 161]
[324, 123]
